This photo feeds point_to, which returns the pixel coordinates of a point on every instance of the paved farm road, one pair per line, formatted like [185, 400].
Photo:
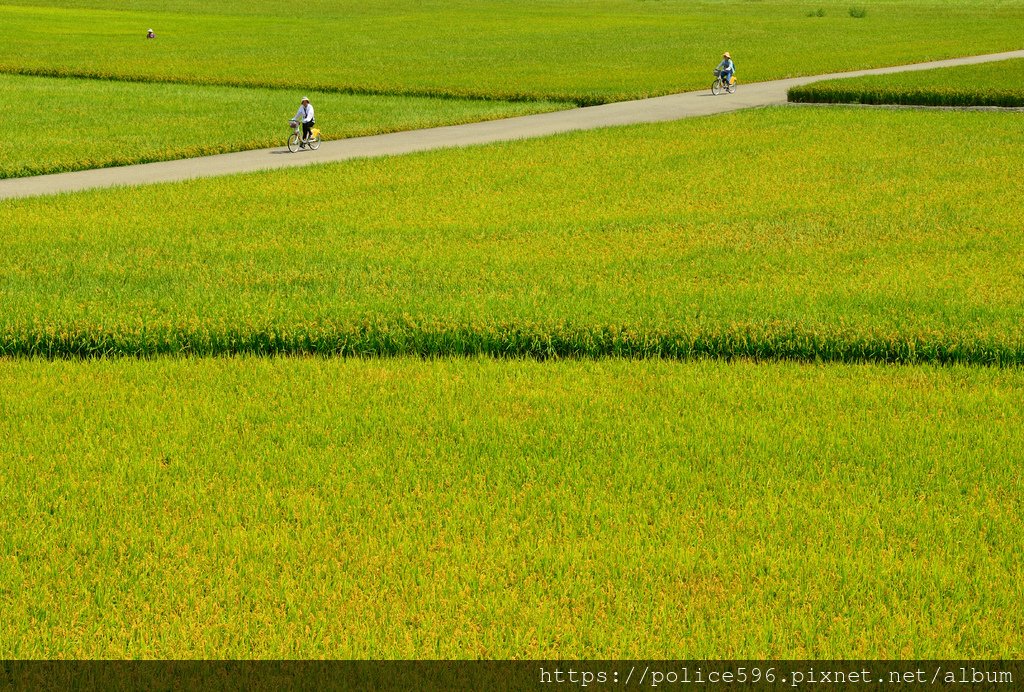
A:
[660, 109]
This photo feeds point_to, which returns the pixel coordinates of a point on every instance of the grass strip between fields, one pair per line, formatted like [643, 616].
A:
[998, 84]
[814, 235]
[330, 508]
[797, 343]
[298, 85]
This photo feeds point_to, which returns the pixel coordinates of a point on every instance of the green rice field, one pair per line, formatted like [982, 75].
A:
[586, 52]
[813, 235]
[748, 386]
[308, 508]
[996, 84]
[93, 124]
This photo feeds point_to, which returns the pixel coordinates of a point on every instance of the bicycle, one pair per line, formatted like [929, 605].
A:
[720, 85]
[295, 139]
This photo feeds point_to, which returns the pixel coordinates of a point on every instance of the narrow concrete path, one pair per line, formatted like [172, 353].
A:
[652, 110]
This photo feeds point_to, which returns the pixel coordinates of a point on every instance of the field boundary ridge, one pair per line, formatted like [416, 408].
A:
[343, 89]
[756, 341]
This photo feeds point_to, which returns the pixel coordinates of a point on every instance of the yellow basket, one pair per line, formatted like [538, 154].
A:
[732, 80]
[315, 132]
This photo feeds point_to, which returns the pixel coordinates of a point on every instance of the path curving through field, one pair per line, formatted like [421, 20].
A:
[652, 110]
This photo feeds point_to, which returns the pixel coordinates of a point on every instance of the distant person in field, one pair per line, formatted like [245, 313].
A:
[150, 34]
[305, 116]
[726, 68]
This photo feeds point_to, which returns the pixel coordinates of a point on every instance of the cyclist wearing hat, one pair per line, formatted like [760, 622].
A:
[305, 116]
[726, 67]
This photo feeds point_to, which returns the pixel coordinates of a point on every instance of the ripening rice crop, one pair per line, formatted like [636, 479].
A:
[332, 508]
[809, 235]
[995, 84]
[586, 52]
[90, 123]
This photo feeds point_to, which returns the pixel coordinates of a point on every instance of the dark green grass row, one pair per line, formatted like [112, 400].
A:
[284, 84]
[995, 84]
[782, 342]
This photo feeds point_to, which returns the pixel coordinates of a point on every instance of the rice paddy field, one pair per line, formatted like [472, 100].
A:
[1000, 84]
[586, 52]
[738, 387]
[92, 123]
[402, 508]
[814, 236]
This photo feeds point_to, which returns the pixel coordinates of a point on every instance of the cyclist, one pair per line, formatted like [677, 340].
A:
[726, 68]
[305, 116]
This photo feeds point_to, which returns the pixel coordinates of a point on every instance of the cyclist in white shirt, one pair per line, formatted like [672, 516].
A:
[305, 116]
[727, 67]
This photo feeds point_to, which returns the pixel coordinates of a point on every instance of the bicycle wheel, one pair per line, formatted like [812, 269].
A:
[732, 88]
[716, 87]
[293, 142]
[313, 143]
